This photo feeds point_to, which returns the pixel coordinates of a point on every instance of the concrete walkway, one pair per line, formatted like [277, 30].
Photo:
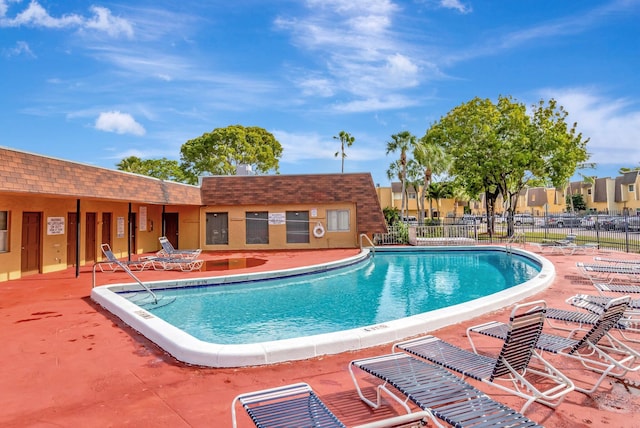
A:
[67, 363]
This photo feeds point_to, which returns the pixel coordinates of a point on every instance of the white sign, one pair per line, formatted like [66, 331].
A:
[55, 225]
[277, 218]
[143, 219]
[120, 227]
[314, 212]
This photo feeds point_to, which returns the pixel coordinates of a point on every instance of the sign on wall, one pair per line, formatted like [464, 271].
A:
[277, 218]
[55, 225]
[120, 227]
[143, 219]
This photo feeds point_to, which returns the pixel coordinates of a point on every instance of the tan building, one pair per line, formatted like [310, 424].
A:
[392, 197]
[55, 213]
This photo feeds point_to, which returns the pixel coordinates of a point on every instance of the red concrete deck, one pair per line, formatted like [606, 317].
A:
[67, 363]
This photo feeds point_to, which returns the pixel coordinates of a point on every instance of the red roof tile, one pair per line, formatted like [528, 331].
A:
[22, 172]
[355, 188]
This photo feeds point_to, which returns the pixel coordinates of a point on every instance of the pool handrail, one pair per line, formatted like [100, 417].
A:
[128, 271]
[373, 247]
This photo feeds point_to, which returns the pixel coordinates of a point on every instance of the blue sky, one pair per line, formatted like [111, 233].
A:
[96, 82]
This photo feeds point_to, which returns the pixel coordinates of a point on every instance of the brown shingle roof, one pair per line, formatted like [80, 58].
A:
[355, 188]
[600, 190]
[22, 172]
[537, 197]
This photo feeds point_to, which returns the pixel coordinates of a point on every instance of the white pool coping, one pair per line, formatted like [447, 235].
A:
[191, 350]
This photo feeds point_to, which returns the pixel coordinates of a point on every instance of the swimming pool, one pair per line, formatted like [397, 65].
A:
[366, 303]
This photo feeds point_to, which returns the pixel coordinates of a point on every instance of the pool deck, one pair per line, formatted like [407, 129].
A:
[66, 362]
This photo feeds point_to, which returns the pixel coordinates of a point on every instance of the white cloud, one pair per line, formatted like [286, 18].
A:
[20, 49]
[104, 21]
[455, 4]
[362, 55]
[37, 16]
[120, 123]
[612, 125]
[311, 146]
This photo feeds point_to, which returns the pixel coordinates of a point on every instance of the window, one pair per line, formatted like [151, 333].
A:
[297, 227]
[631, 187]
[257, 227]
[338, 220]
[217, 229]
[4, 231]
[412, 195]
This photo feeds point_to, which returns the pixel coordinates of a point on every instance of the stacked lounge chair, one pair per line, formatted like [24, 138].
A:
[595, 348]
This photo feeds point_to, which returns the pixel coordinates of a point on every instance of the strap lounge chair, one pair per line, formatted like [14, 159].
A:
[511, 370]
[298, 405]
[614, 287]
[590, 302]
[600, 272]
[176, 263]
[595, 348]
[617, 261]
[113, 264]
[432, 388]
[169, 251]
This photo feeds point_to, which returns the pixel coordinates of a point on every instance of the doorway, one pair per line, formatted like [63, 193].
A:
[171, 228]
[133, 249]
[106, 229]
[31, 237]
[90, 243]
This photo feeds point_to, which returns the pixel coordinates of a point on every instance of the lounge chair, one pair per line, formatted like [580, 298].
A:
[298, 405]
[616, 261]
[590, 302]
[594, 305]
[176, 263]
[595, 348]
[511, 370]
[573, 248]
[599, 272]
[432, 388]
[604, 288]
[567, 246]
[113, 264]
[169, 251]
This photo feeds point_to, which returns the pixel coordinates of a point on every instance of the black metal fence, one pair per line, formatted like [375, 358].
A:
[613, 232]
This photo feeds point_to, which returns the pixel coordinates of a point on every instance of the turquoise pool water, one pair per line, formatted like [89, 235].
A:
[386, 287]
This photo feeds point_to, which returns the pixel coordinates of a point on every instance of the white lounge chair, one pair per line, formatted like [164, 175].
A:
[595, 348]
[510, 370]
[169, 251]
[435, 389]
[297, 405]
[113, 264]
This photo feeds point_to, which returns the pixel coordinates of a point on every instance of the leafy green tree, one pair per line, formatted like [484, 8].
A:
[391, 215]
[498, 148]
[162, 168]
[347, 140]
[402, 142]
[220, 151]
[576, 202]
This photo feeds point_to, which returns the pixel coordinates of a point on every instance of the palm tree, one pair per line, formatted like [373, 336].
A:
[439, 191]
[433, 158]
[402, 142]
[567, 193]
[345, 140]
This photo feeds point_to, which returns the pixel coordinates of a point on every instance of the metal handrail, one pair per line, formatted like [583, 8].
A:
[128, 271]
[373, 247]
[516, 237]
